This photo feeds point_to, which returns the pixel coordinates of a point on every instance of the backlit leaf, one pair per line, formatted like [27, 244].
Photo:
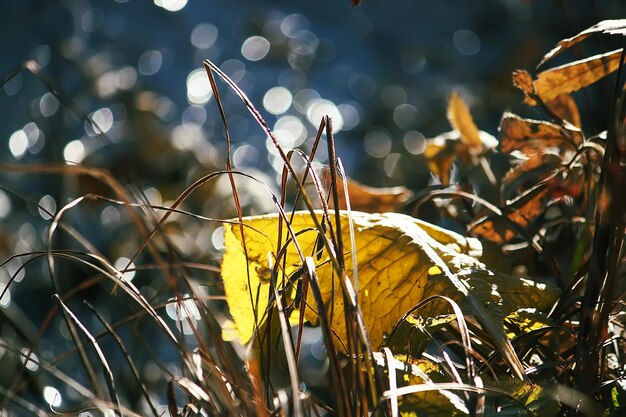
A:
[575, 75]
[410, 372]
[565, 107]
[442, 150]
[526, 320]
[372, 199]
[516, 216]
[461, 120]
[440, 153]
[533, 165]
[395, 253]
[612, 27]
[527, 135]
[524, 81]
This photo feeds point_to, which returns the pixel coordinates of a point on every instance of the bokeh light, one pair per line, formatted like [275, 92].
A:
[466, 42]
[47, 207]
[5, 204]
[414, 142]
[123, 263]
[74, 152]
[255, 48]
[18, 144]
[198, 87]
[29, 359]
[52, 396]
[171, 5]
[277, 100]
[377, 143]
[317, 108]
[204, 35]
[150, 62]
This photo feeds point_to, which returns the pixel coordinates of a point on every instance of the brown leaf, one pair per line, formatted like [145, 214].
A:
[442, 150]
[612, 27]
[527, 135]
[371, 199]
[440, 153]
[565, 107]
[461, 120]
[538, 165]
[524, 81]
[575, 75]
[516, 216]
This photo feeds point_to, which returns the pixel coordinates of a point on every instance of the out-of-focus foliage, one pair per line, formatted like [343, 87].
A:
[108, 117]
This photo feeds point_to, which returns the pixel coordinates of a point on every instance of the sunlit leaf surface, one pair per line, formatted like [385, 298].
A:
[395, 254]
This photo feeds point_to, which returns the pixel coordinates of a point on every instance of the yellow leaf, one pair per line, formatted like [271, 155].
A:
[394, 253]
[526, 320]
[461, 120]
[575, 75]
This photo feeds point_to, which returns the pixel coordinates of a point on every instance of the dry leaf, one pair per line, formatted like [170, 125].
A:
[371, 199]
[537, 165]
[442, 150]
[516, 216]
[440, 153]
[565, 107]
[524, 81]
[575, 75]
[394, 254]
[527, 135]
[612, 27]
[461, 120]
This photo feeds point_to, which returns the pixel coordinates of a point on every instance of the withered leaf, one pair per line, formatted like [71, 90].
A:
[575, 75]
[442, 150]
[440, 153]
[527, 135]
[372, 199]
[516, 216]
[524, 81]
[536, 165]
[565, 107]
[461, 120]
[611, 27]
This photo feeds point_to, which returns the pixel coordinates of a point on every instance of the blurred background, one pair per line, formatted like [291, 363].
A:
[382, 71]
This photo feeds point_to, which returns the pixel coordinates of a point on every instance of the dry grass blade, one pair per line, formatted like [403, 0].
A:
[57, 91]
[575, 75]
[72, 320]
[106, 178]
[128, 358]
[612, 27]
[391, 371]
[329, 340]
[607, 255]
[104, 406]
[287, 340]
